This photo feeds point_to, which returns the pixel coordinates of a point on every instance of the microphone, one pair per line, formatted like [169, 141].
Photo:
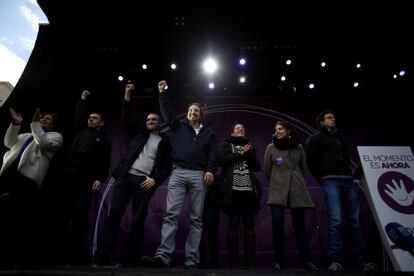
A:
[401, 236]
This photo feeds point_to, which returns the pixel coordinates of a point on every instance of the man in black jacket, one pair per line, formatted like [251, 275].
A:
[86, 167]
[145, 166]
[194, 156]
[328, 161]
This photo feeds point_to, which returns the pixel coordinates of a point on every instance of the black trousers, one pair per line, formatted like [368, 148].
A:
[209, 244]
[125, 189]
[79, 204]
[19, 218]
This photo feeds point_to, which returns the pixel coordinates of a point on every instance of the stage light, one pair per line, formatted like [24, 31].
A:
[288, 62]
[242, 79]
[402, 73]
[242, 61]
[311, 86]
[173, 66]
[211, 85]
[282, 78]
[323, 64]
[120, 78]
[356, 84]
[144, 66]
[358, 65]
[210, 65]
[394, 76]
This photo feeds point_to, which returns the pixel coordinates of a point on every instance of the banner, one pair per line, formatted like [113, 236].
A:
[389, 187]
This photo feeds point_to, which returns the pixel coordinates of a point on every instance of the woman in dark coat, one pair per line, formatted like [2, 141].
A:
[239, 191]
[284, 165]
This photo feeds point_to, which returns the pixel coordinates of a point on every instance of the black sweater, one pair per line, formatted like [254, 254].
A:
[326, 155]
[89, 155]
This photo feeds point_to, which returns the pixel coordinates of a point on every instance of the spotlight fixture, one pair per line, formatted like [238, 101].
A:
[210, 65]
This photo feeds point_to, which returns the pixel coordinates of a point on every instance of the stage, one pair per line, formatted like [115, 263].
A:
[113, 271]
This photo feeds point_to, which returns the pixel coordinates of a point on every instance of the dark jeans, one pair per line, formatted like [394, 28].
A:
[342, 196]
[125, 189]
[278, 223]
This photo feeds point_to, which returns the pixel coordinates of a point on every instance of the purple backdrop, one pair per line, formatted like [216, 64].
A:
[259, 116]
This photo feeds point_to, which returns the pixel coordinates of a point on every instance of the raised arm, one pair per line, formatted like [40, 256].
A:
[10, 139]
[81, 111]
[165, 105]
[132, 126]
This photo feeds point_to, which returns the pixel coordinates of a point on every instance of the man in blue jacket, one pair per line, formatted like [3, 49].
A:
[194, 158]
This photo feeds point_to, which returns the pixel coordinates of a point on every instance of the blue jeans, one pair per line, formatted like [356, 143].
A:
[342, 195]
[183, 181]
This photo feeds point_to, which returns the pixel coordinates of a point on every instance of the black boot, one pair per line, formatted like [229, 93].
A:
[233, 249]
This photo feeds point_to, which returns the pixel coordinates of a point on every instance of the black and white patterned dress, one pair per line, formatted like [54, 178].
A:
[243, 196]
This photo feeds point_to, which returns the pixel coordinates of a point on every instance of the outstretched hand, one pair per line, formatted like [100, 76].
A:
[399, 193]
[16, 117]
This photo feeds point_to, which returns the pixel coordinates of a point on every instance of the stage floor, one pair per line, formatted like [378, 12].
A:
[111, 271]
